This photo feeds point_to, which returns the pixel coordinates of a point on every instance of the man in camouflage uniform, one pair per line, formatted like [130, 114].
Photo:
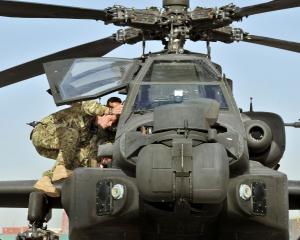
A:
[70, 137]
[108, 136]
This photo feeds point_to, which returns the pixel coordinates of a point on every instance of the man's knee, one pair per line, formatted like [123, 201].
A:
[47, 153]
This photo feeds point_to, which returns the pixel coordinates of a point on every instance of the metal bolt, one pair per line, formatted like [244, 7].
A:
[245, 192]
[117, 191]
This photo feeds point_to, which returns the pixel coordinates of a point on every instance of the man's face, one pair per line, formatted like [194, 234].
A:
[106, 121]
[113, 104]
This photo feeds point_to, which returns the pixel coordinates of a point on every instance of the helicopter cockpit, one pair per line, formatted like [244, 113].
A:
[81, 79]
[163, 84]
[154, 95]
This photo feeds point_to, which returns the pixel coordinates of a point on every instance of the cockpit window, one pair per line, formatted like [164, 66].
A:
[89, 77]
[154, 95]
[187, 70]
[86, 77]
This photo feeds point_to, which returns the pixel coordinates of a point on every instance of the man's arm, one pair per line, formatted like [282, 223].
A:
[93, 108]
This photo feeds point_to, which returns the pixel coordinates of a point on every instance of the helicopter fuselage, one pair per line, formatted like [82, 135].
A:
[186, 163]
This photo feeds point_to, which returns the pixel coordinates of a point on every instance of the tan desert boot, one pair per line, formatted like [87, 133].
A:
[60, 172]
[45, 185]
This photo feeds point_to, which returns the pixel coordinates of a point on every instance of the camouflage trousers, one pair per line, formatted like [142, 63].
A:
[62, 144]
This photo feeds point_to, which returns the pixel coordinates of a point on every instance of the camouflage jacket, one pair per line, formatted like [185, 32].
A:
[79, 116]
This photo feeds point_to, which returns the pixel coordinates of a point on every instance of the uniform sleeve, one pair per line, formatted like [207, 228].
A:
[93, 108]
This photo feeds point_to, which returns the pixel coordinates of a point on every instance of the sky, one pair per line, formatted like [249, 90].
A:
[271, 76]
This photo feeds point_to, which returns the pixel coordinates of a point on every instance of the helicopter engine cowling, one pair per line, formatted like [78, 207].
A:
[259, 135]
[265, 137]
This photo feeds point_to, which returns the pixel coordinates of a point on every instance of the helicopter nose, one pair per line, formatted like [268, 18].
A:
[160, 168]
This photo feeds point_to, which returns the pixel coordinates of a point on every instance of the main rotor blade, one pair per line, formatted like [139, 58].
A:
[267, 7]
[37, 10]
[272, 42]
[35, 67]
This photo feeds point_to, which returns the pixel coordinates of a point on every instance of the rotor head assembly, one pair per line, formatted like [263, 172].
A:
[173, 25]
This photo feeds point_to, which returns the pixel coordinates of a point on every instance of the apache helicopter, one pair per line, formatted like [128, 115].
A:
[187, 163]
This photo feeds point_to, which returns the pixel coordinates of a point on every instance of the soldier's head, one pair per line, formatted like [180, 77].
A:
[113, 102]
[106, 121]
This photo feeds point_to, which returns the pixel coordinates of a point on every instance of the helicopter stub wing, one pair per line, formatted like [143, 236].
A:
[37, 10]
[15, 194]
[34, 68]
[294, 194]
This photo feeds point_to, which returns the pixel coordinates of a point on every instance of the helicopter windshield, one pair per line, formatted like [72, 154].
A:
[189, 70]
[154, 95]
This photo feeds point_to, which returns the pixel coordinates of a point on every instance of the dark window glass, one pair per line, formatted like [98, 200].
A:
[173, 71]
[153, 95]
[76, 79]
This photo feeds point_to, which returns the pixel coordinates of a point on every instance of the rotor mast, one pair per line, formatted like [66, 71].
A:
[174, 3]
[177, 9]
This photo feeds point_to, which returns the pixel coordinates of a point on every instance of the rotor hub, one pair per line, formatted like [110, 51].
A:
[167, 3]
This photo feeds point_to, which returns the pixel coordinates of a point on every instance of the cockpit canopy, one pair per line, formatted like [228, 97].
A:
[176, 81]
[80, 79]
[162, 79]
